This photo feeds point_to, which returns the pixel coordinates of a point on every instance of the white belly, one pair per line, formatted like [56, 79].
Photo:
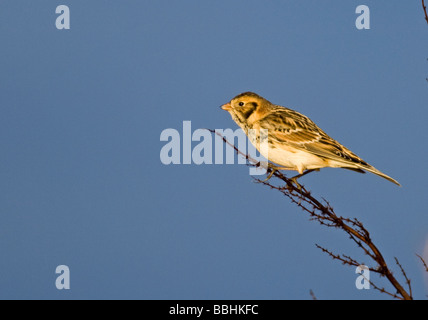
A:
[287, 157]
[290, 158]
[294, 159]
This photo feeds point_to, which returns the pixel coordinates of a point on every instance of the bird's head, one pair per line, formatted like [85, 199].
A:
[243, 106]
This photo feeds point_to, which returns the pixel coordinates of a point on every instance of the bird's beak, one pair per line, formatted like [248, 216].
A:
[226, 107]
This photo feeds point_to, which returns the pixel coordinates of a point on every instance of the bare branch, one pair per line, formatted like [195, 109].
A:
[322, 212]
[382, 290]
[425, 10]
[423, 262]
[346, 260]
[405, 275]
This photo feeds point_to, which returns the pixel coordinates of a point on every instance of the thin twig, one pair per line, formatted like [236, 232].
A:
[346, 260]
[425, 10]
[423, 262]
[383, 290]
[246, 156]
[405, 275]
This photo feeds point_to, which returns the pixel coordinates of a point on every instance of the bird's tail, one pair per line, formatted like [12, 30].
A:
[372, 169]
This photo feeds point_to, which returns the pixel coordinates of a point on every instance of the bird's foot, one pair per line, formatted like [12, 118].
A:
[294, 179]
[296, 183]
[272, 171]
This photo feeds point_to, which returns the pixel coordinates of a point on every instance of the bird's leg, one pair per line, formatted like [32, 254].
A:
[270, 175]
[273, 169]
[294, 179]
[304, 173]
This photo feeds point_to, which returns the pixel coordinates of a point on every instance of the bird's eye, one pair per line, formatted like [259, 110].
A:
[241, 104]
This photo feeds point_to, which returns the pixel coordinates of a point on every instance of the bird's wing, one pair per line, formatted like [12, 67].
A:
[298, 131]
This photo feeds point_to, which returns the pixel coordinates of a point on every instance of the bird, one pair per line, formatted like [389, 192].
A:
[294, 142]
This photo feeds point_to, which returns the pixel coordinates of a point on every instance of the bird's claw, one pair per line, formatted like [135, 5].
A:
[270, 175]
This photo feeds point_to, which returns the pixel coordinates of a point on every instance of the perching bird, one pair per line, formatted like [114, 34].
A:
[294, 141]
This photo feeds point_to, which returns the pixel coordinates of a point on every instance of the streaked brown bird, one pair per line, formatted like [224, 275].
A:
[294, 141]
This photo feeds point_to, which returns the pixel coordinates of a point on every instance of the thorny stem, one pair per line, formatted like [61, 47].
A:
[325, 215]
[423, 262]
[425, 10]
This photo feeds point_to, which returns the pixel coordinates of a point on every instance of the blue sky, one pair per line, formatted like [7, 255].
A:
[82, 110]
